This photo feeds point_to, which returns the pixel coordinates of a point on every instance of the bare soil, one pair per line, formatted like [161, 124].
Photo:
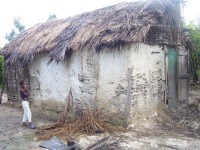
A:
[13, 136]
[181, 131]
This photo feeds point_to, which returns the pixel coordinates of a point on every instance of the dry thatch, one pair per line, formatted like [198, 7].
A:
[89, 123]
[152, 21]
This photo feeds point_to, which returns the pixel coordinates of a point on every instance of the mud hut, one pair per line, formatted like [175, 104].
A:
[130, 56]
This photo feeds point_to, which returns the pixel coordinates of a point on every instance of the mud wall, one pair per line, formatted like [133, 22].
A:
[51, 83]
[102, 80]
[147, 79]
[15, 73]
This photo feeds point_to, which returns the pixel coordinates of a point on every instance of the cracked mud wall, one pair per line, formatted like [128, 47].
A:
[51, 83]
[98, 79]
[147, 79]
[101, 80]
[14, 74]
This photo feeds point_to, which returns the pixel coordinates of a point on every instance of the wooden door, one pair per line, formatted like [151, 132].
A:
[183, 58]
[172, 80]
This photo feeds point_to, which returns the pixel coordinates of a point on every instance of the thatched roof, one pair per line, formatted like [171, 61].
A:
[152, 22]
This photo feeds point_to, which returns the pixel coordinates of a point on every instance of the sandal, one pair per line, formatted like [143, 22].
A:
[31, 125]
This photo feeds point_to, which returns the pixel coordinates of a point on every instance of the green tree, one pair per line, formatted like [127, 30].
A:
[53, 16]
[2, 70]
[18, 27]
[10, 36]
[194, 33]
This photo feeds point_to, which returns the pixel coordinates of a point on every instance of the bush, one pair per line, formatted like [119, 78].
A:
[2, 70]
[194, 32]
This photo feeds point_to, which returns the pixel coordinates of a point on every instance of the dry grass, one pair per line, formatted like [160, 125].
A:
[89, 123]
[152, 21]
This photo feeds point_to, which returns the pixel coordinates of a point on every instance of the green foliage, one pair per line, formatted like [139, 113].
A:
[53, 16]
[2, 70]
[18, 27]
[10, 36]
[194, 33]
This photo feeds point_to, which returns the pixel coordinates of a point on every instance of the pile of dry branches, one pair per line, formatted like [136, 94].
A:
[90, 122]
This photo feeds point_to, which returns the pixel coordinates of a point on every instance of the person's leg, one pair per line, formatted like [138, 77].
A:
[28, 115]
[25, 119]
[28, 112]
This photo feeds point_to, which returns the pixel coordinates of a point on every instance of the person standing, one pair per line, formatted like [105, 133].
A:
[24, 93]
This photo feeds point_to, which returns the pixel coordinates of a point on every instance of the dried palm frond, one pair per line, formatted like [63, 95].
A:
[152, 21]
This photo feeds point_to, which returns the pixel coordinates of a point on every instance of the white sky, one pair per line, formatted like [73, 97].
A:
[35, 11]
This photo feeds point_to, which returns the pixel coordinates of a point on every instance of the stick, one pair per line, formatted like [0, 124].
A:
[128, 100]
[99, 143]
[62, 118]
[68, 103]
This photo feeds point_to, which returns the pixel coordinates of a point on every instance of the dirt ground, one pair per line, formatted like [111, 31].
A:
[183, 132]
[12, 135]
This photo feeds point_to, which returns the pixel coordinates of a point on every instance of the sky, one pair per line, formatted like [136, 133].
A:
[31, 12]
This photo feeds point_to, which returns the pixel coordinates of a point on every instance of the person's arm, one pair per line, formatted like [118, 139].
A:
[24, 92]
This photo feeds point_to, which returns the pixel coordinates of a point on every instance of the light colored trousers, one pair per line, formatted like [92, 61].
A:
[27, 112]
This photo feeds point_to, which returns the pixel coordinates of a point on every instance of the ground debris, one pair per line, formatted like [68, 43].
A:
[89, 123]
[105, 144]
[55, 143]
[187, 120]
